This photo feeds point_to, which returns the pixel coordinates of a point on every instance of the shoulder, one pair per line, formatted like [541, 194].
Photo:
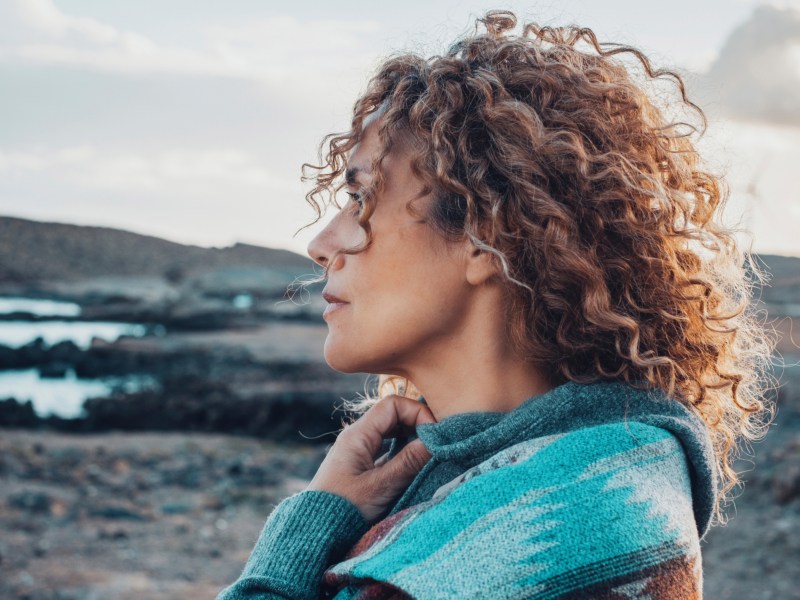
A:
[582, 455]
[621, 485]
[587, 507]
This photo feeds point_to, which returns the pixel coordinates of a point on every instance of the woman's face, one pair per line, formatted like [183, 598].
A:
[404, 297]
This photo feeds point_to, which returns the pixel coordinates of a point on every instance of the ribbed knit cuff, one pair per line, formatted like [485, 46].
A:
[302, 536]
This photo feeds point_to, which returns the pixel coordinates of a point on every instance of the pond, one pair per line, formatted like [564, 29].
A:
[17, 333]
[41, 308]
[64, 397]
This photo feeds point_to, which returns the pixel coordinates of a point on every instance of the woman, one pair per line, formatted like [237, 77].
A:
[532, 259]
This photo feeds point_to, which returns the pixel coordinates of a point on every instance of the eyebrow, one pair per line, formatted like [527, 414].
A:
[351, 175]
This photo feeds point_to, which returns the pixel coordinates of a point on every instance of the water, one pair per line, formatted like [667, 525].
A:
[791, 310]
[64, 397]
[15, 334]
[18, 333]
[42, 308]
[243, 301]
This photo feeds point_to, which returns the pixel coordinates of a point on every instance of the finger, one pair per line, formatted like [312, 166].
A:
[401, 470]
[382, 460]
[385, 416]
[409, 412]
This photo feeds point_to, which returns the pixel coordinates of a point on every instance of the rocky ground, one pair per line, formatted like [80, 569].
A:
[151, 495]
[266, 380]
[136, 515]
[174, 515]
[757, 554]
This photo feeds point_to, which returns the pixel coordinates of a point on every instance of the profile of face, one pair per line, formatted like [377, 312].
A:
[404, 297]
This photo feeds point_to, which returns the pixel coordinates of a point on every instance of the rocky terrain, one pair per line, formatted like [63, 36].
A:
[161, 492]
[34, 252]
[174, 515]
[136, 515]
[757, 553]
[234, 341]
[235, 382]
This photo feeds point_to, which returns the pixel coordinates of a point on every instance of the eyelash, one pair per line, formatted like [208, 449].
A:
[356, 197]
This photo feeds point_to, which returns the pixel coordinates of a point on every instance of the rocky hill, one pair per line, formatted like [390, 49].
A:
[32, 251]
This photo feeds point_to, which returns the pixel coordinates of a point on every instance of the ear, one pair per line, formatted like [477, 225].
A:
[481, 265]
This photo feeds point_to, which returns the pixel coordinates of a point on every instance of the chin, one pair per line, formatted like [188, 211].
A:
[343, 367]
[338, 359]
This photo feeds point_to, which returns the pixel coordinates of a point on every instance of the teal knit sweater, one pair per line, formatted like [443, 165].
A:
[586, 491]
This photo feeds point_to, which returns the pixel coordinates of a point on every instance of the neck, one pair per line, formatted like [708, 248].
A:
[479, 387]
[476, 370]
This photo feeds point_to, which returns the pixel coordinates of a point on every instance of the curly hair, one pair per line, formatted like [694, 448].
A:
[547, 150]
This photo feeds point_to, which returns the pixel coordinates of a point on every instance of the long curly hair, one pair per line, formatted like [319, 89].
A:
[567, 160]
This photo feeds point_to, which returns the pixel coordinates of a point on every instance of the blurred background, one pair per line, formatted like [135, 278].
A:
[160, 391]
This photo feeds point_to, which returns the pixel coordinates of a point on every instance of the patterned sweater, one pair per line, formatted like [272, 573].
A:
[586, 491]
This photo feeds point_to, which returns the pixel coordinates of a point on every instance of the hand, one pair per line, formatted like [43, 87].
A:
[350, 468]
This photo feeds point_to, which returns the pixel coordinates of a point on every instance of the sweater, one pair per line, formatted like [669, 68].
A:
[586, 491]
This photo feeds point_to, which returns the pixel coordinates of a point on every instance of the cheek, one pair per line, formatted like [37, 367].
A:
[387, 327]
[404, 294]
[367, 331]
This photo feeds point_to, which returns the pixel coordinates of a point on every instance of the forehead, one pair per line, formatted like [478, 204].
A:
[364, 152]
[369, 148]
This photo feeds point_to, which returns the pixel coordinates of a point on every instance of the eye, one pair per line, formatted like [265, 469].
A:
[356, 198]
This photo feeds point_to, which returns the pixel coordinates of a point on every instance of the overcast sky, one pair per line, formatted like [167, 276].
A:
[189, 119]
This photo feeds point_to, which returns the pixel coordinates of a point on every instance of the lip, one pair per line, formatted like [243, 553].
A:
[334, 303]
[332, 299]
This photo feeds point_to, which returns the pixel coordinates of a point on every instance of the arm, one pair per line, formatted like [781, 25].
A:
[303, 534]
[311, 530]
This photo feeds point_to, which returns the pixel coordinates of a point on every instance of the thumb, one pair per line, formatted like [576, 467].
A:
[402, 469]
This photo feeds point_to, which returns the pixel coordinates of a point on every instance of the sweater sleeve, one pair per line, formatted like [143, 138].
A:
[303, 534]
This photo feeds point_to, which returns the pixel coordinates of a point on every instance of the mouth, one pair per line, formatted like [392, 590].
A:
[332, 307]
[334, 303]
[331, 298]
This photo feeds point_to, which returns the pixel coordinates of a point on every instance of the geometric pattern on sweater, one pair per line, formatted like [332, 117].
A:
[599, 512]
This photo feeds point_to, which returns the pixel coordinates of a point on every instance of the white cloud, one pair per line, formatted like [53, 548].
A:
[44, 16]
[794, 4]
[199, 196]
[274, 50]
[212, 172]
[759, 161]
[757, 73]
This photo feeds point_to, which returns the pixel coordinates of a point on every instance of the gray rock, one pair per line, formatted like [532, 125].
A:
[31, 501]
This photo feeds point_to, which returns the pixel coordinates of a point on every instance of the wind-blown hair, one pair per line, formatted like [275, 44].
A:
[548, 151]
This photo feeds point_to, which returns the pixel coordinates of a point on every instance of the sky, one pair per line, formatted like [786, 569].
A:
[190, 119]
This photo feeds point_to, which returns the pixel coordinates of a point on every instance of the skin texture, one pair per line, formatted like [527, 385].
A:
[416, 307]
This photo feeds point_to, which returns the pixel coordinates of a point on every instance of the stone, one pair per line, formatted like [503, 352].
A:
[31, 501]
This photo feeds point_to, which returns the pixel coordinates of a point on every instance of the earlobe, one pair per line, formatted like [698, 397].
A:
[482, 264]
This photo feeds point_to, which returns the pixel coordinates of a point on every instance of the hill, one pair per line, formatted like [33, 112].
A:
[33, 251]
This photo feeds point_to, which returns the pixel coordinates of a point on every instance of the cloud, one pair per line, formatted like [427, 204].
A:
[273, 50]
[42, 16]
[757, 73]
[200, 196]
[36, 32]
[190, 171]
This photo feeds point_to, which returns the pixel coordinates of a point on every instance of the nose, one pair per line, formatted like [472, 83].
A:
[316, 252]
[324, 244]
